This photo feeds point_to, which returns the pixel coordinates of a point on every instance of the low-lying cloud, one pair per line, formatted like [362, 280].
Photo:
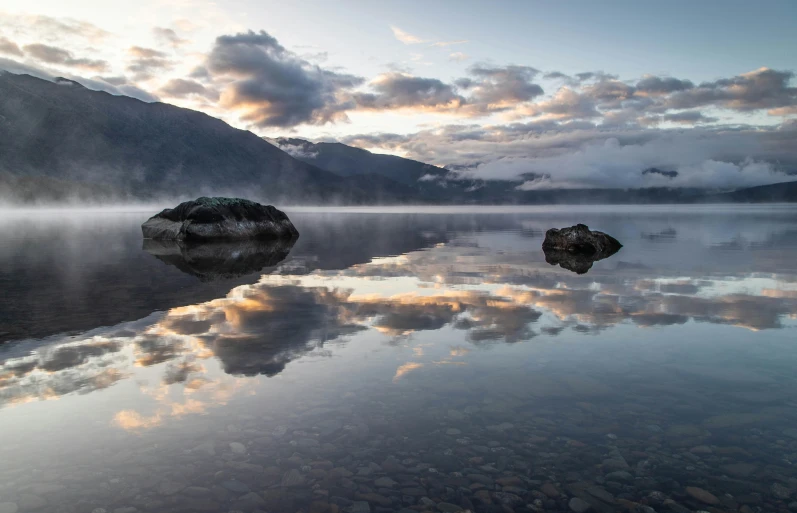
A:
[582, 154]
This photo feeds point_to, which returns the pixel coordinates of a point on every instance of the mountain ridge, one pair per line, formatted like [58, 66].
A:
[63, 143]
[64, 131]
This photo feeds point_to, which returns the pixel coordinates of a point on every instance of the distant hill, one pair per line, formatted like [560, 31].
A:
[350, 161]
[431, 184]
[775, 193]
[59, 137]
[61, 142]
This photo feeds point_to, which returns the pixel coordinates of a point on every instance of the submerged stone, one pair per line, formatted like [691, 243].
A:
[207, 219]
[576, 248]
[702, 495]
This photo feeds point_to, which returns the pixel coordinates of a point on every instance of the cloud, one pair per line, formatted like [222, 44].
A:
[495, 88]
[169, 36]
[555, 75]
[53, 29]
[566, 104]
[609, 92]
[406, 37]
[146, 62]
[458, 57]
[54, 55]
[9, 47]
[763, 88]
[272, 86]
[653, 85]
[410, 39]
[579, 153]
[612, 164]
[182, 88]
[73, 356]
[783, 111]
[689, 117]
[443, 44]
[396, 90]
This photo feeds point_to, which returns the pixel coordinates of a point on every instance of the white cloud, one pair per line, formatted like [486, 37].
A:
[406, 37]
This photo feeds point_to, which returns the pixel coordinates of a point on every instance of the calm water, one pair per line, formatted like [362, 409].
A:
[395, 361]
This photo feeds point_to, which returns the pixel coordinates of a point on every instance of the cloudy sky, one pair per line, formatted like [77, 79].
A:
[575, 93]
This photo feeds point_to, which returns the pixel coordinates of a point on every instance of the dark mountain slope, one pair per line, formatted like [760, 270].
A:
[430, 184]
[66, 132]
[780, 192]
[349, 161]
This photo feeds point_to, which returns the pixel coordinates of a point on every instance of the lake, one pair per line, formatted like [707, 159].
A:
[394, 360]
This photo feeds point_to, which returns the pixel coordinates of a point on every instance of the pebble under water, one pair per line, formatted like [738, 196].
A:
[403, 362]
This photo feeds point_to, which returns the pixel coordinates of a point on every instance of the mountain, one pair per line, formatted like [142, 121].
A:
[350, 161]
[779, 192]
[431, 184]
[61, 142]
[60, 138]
[434, 184]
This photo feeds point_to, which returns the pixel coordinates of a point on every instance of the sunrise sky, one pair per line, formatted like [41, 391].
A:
[496, 88]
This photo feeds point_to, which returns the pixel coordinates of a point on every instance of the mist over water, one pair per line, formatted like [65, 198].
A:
[423, 358]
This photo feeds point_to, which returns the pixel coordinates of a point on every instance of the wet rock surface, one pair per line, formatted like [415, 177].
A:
[576, 248]
[211, 219]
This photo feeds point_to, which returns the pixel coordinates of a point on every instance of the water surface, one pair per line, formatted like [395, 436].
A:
[431, 361]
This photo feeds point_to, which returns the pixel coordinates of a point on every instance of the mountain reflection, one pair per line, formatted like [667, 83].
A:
[219, 260]
[484, 288]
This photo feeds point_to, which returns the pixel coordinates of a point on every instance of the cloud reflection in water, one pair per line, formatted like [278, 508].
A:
[487, 296]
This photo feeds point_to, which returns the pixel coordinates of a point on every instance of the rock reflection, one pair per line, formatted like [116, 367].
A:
[578, 263]
[220, 260]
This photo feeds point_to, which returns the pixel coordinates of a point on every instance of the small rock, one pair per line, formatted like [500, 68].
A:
[208, 448]
[550, 490]
[702, 495]
[235, 486]
[600, 493]
[197, 491]
[385, 482]
[740, 469]
[293, 478]
[170, 487]
[447, 507]
[45, 488]
[359, 507]
[305, 443]
[29, 501]
[579, 505]
[780, 491]
[620, 475]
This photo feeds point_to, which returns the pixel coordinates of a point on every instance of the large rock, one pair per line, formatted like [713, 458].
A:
[576, 248]
[208, 219]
